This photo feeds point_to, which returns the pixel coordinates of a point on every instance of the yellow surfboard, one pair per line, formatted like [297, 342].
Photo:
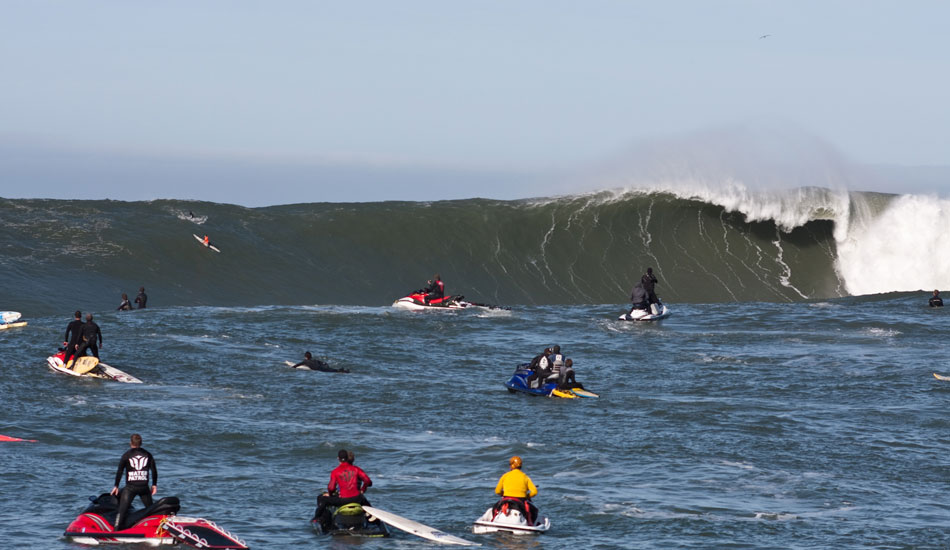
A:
[566, 394]
[941, 377]
[83, 364]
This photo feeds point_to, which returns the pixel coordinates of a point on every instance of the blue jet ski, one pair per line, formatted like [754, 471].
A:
[548, 388]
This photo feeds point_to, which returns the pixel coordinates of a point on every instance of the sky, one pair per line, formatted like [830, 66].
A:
[298, 101]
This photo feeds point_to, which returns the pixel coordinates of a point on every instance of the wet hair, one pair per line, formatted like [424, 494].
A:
[343, 455]
[350, 457]
[649, 270]
[141, 289]
[936, 291]
[89, 316]
[569, 363]
[125, 296]
[438, 277]
[308, 355]
[78, 314]
[136, 440]
[556, 349]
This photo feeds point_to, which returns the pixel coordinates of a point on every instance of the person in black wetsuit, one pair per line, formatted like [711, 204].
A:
[649, 282]
[90, 338]
[126, 305]
[316, 364]
[936, 300]
[137, 463]
[435, 289]
[142, 298]
[541, 365]
[73, 337]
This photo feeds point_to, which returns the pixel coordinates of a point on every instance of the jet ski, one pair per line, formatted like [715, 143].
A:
[506, 517]
[518, 383]
[156, 525]
[416, 302]
[351, 520]
[101, 370]
[655, 313]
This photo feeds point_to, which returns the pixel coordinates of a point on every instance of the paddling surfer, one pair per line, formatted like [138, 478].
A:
[316, 364]
[137, 463]
[518, 489]
[349, 482]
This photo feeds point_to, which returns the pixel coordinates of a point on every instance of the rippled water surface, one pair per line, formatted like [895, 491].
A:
[726, 426]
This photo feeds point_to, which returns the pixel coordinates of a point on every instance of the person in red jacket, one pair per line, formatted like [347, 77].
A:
[347, 485]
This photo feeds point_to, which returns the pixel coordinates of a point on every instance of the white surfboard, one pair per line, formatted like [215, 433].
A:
[9, 317]
[102, 370]
[417, 529]
[202, 241]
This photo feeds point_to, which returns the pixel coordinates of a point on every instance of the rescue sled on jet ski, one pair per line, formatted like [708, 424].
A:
[518, 383]
[156, 525]
[654, 313]
[506, 516]
[351, 520]
[98, 370]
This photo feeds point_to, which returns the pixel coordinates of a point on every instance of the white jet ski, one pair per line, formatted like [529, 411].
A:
[101, 370]
[503, 518]
[655, 313]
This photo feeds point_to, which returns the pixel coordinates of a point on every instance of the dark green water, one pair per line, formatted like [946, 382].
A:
[759, 425]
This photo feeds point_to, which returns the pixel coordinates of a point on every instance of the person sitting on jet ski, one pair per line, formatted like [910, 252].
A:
[517, 488]
[350, 480]
[639, 298]
[540, 366]
[434, 290]
[567, 380]
[136, 462]
[936, 300]
[316, 364]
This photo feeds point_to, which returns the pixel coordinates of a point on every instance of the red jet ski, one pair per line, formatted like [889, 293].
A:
[156, 525]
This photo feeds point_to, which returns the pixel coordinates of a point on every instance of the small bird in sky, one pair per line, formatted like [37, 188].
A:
[764, 36]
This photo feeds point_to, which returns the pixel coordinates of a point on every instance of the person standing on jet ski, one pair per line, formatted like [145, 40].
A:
[72, 338]
[649, 282]
[351, 482]
[136, 463]
[936, 300]
[316, 364]
[517, 488]
[434, 290]
[89, 335]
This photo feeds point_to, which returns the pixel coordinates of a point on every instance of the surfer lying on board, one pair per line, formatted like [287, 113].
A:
[434, 289]
[349, 482]
[316, 364]
[516, 488]
[936, 300]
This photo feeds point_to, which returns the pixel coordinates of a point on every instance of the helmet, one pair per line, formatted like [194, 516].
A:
[515, 462]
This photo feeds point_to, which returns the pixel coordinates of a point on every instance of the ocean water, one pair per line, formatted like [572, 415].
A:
[813, 424]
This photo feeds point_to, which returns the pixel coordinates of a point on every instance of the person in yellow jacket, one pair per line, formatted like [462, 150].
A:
[517, 488]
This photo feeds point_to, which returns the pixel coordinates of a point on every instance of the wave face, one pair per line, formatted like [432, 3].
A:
[706, 246]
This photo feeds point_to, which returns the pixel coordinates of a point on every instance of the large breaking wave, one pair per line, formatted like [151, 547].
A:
[707, 245]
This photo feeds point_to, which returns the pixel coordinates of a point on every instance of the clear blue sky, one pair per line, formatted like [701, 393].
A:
[441, 98]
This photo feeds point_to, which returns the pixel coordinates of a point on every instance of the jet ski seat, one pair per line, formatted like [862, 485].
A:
[167, 506]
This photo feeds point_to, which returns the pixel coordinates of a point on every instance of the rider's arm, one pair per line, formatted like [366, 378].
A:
[154, 470]
[500, 488]
[118, 473]
[367, 482]
[532, 490]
